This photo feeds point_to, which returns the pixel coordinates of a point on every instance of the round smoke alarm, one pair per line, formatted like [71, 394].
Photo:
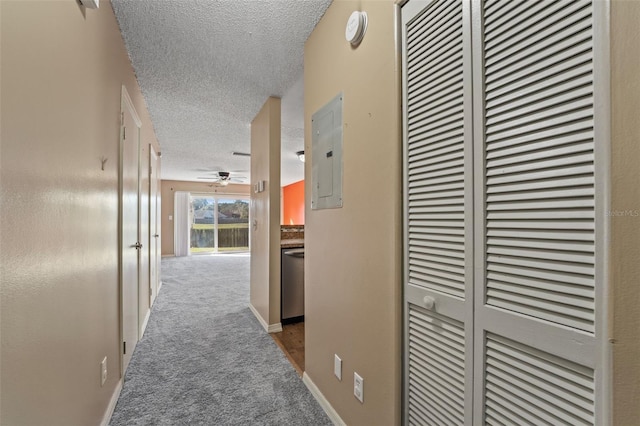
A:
[356, 27]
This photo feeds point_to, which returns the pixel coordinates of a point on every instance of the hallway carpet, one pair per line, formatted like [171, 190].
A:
[204, 358]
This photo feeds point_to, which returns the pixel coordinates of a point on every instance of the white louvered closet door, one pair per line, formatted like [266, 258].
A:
[505, 113]
[438, 212]
[536, 233]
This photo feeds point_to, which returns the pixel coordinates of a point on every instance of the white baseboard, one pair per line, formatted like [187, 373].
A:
[144, 323]
[274, 328]
[112, 404]
[269, 328]
[331, 412]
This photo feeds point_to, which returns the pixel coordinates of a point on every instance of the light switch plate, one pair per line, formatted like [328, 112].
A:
[337, 367]
[103, 371]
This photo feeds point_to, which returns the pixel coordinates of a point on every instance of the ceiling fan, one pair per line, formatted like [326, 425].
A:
[223, 178]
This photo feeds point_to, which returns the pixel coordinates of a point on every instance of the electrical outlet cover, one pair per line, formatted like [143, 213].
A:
[358, 387]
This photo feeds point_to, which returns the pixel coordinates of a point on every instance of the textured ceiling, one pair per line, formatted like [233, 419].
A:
[206, 67]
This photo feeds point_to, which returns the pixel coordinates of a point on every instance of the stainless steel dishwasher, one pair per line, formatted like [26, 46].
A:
[292, 285]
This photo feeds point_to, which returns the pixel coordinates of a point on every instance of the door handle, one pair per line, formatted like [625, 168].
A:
[138, 246]
[155, 235]
[429, 302]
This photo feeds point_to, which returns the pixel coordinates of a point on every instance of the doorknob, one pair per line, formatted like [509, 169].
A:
[137, 246]
[429, 302]
[155, 235]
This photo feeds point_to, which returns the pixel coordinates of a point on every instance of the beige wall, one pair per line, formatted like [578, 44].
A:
[624, 256]
[169, 187]
[265, 212]
[62, 72]
[353, 254]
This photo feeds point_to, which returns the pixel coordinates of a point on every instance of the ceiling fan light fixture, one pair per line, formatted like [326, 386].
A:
[300, 155]
[224, 182]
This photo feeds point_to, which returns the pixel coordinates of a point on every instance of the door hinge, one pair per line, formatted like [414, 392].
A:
[124, 133]
[122, 118]
[124, 348]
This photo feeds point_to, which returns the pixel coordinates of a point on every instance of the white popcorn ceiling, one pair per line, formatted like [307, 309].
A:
[206, 67]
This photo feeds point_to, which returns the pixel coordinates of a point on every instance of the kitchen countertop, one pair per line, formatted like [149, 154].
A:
[297, 243]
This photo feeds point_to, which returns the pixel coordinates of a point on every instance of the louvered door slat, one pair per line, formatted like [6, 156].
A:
[537, 28]
[421, 29]
[450, 162]
[503, 98]
[542, 21]
[553, 107]
[435, 201]
[499, 7]
[438, 385]
[423, 104]
[559, 182]
[436, 159]
[569, 280]
[538, 384]
[436, 366]
[549, 151]
[549, 266]
[440, 81]
[549, 194]
[497, 22]
[441, 54]
[541, 234]
[532, 285]
[423, 142]
[553, 173]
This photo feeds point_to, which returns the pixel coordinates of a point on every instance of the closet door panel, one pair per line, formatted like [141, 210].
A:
[535, 230]
[438, 269]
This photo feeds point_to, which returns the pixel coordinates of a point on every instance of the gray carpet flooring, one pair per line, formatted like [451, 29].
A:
[204, 358]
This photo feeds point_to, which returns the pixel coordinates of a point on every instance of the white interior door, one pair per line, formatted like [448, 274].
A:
[536, 338]
[438, 213]
[154, 225]
[129, 227]
[144, 297]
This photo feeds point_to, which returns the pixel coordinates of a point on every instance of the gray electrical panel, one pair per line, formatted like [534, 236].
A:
[326, 157]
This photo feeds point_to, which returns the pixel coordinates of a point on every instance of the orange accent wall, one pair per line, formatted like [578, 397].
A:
[293, 204]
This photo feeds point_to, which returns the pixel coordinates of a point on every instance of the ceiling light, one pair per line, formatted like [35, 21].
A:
[300, 155]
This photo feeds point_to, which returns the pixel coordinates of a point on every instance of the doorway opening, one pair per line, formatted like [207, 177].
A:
[218, 224]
